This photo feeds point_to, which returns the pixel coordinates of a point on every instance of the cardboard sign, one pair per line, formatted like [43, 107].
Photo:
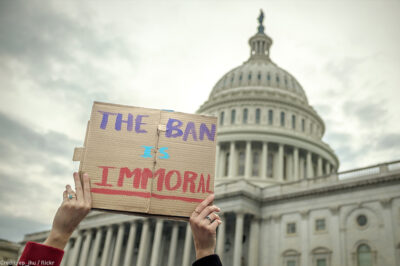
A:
[148, 161]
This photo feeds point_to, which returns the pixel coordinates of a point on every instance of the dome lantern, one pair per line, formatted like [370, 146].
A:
[260, 43]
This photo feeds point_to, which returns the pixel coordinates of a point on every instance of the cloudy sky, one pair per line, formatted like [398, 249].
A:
[56, 58]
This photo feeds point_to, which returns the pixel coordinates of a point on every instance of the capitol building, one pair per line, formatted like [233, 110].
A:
[277, 183]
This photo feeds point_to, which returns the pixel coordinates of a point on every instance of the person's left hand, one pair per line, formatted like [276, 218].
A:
[71, 212]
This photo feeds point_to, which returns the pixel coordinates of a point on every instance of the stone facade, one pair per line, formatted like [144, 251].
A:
[283, 201]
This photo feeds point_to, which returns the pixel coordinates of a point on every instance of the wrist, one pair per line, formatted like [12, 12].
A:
[201, 253]
[56, 240]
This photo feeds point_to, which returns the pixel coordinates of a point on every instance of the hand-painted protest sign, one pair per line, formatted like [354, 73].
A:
[148, 161]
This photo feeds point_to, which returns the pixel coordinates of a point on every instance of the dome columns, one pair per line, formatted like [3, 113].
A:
[268, 161]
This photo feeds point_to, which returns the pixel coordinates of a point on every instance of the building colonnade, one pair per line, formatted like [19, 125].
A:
[268, 160]
[127, 244]
[143, 242]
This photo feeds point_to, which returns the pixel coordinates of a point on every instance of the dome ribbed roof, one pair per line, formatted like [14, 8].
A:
[259, 71]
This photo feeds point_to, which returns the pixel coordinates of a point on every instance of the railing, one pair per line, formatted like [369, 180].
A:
[370, 170]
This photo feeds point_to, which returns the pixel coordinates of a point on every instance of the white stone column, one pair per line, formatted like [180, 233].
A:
[280, 163]
[107, 245]
[75, 252]
[309, 165]
[296, 175]
[96, 247]
[66, 253]
[231, 171]
[217, 161]
[221, 167]
[327, 168]
[144, 239]
[392, 259]
[173, 244]
[130, 245]
[221, 238]
[247, 165]
[237, 253]
[85, 248]
[319, 166]
[156, 243]
[118, 245]
[264, 159]
[304, 238]
[289, 167]
[254, 241]
[335, 228]
[188, 246]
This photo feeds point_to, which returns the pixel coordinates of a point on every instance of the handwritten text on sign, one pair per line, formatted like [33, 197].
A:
[187, 182]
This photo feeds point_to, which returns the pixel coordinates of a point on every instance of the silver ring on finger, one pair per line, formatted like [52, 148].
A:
[208, 218]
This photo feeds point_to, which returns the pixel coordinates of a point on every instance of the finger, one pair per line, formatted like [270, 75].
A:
[204, 204]
[213, 216]
[78, 187]
[65, 195]
[213, 226]
[70, 192]
[207, 211]
[86, 189]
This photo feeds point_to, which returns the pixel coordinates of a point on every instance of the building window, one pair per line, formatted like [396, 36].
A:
[221, 118]
[303, 125]
[362, 220]
[270, 164]
[270, 117]
[277, 79]
[291, 228]
[232, 78]
[256, 164]
[293, 122]
[311, 128]
[226, 164]
[241, 163]
[240, 78]
[233, 116]
[269, 79]
[291, 263]
[321, 262]
[258, 115]
[291, 258]
[282, 119]
[320, 225]
[321, 256]
[245, 115]
[249, 76]
[259, 76]
[364, 257]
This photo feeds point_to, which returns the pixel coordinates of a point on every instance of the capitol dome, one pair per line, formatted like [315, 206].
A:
[266, 123]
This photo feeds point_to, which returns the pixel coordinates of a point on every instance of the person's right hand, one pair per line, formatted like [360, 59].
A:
[203, 228]
[71, 212]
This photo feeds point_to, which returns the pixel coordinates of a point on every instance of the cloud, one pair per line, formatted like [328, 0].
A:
[11, 228]
[344, 69]
[366, 112]
[389, 142]
[33, 170]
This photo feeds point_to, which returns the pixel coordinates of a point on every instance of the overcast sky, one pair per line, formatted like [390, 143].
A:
[56, 58]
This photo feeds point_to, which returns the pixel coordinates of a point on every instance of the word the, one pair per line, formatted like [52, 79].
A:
[174, 128]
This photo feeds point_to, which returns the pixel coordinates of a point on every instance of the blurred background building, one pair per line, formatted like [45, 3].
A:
[283, 201]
